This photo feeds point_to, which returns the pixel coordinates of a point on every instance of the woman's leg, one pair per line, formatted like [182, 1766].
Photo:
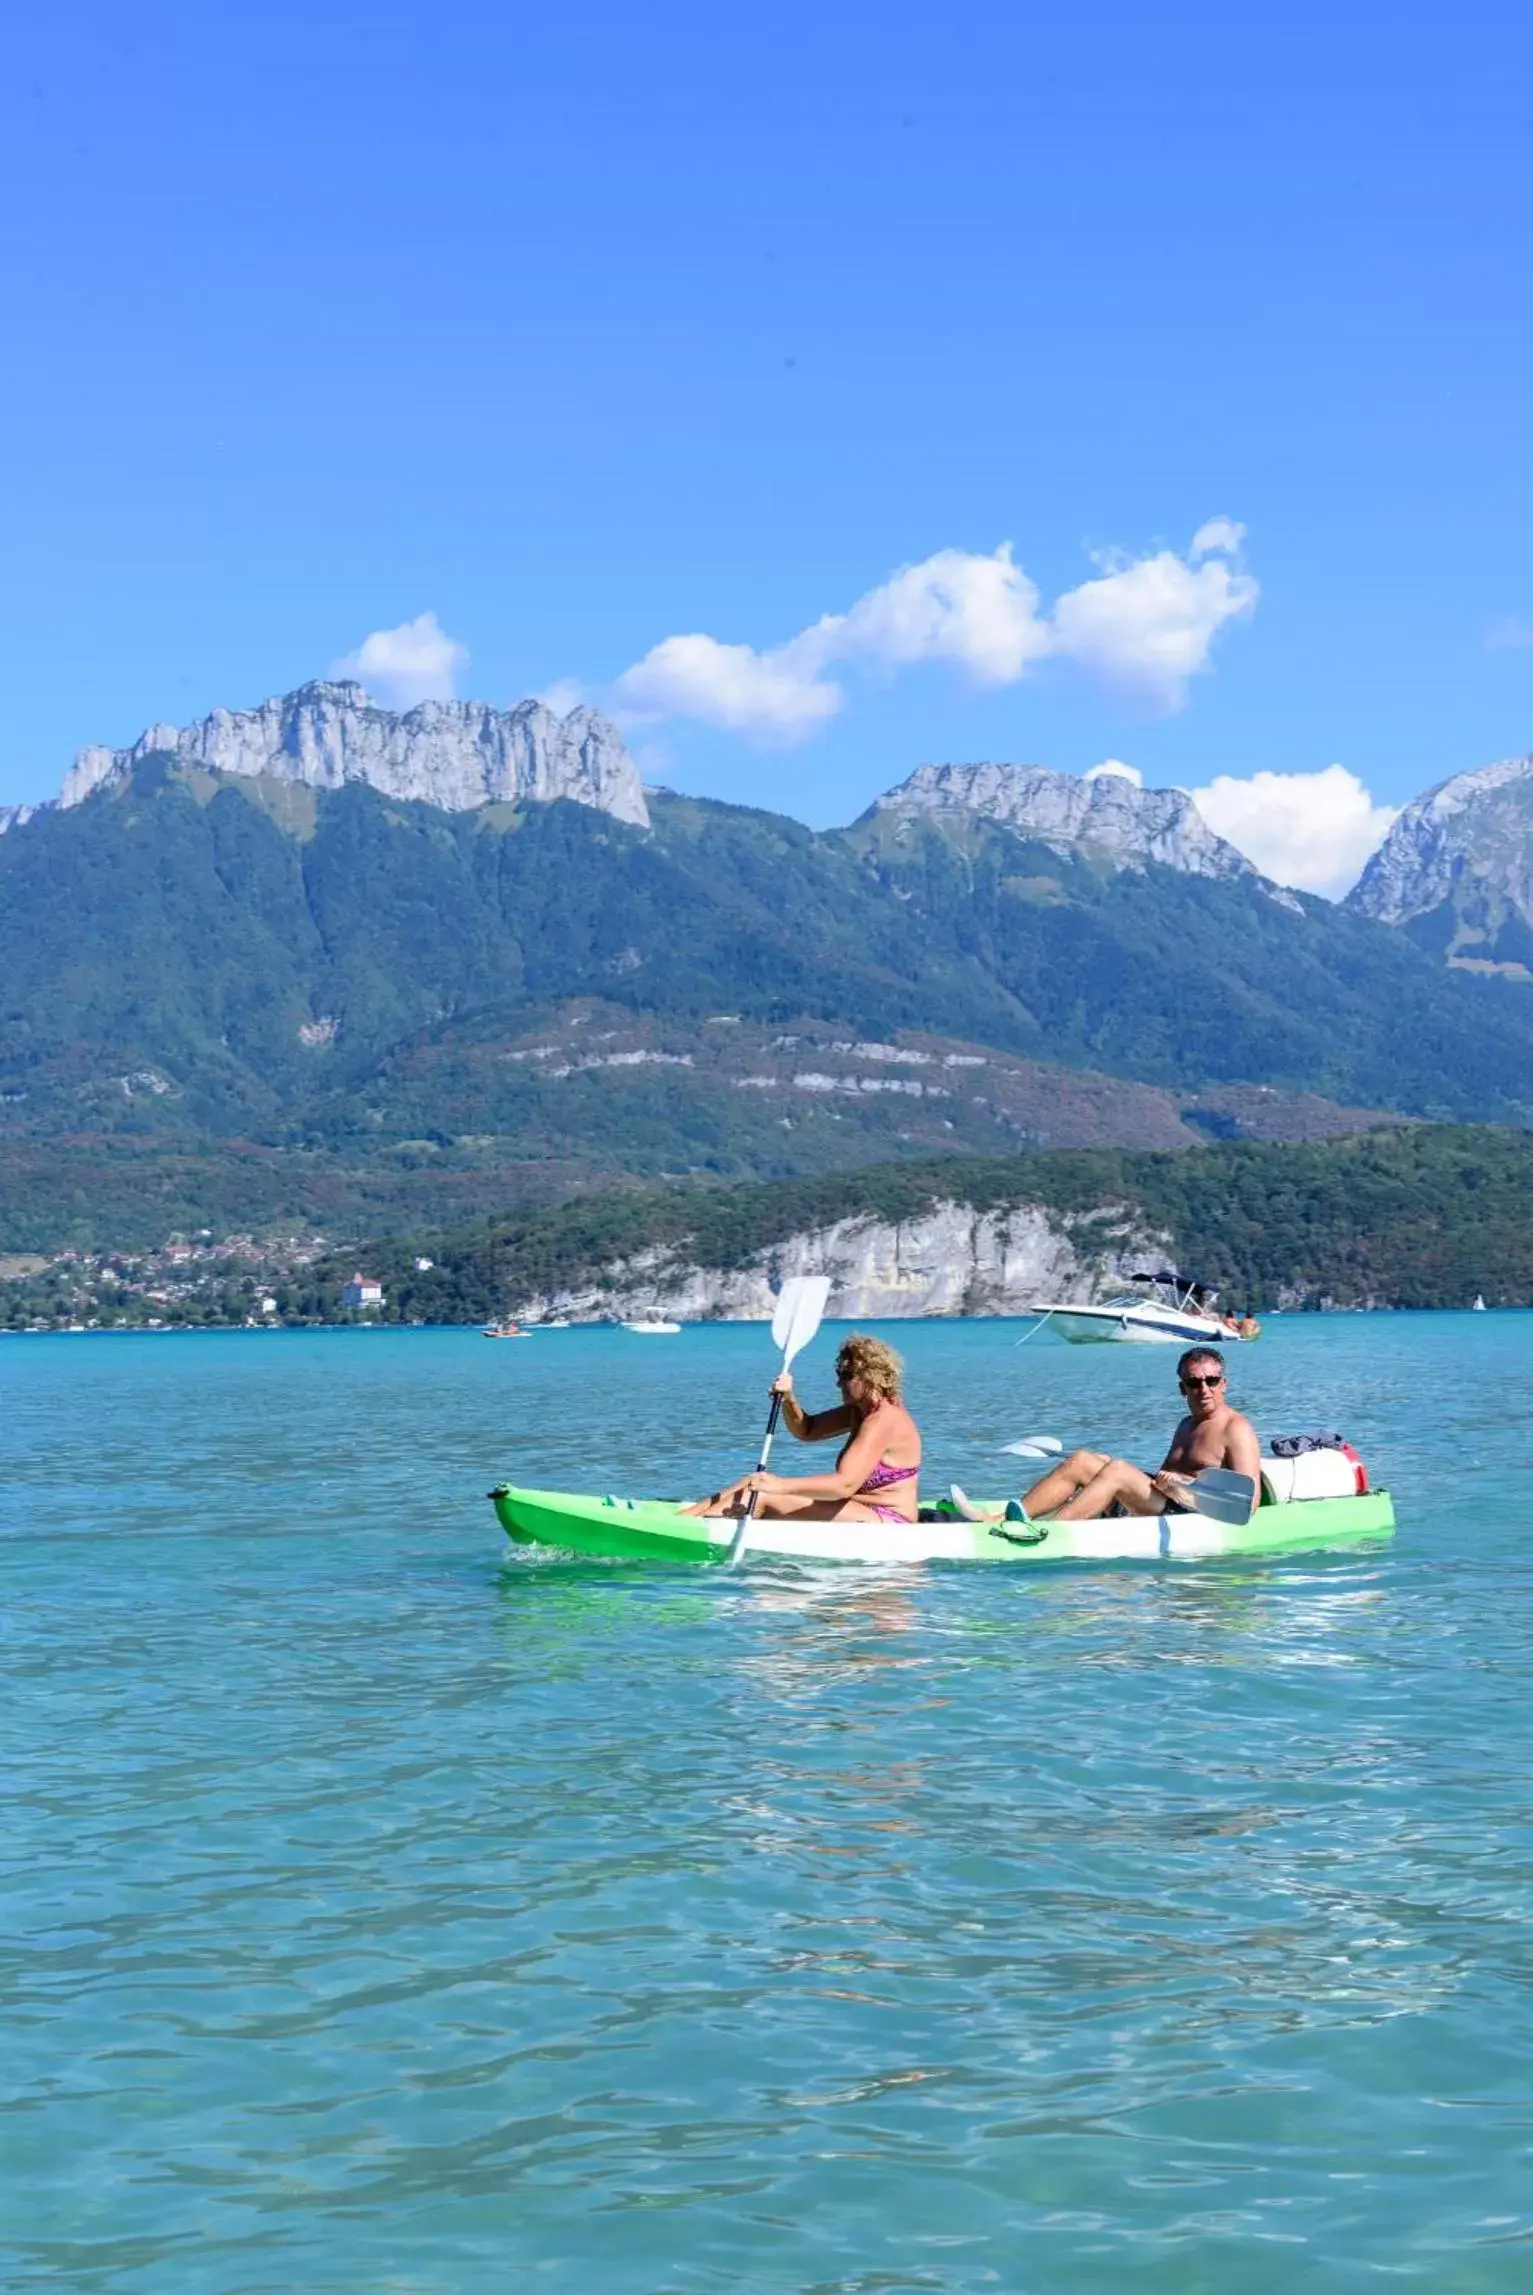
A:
[786, 1506]
[729, 1500]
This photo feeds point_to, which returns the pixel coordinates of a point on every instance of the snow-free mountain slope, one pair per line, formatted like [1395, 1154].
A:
[1457, 870]
[249, 967]
[1106, 816]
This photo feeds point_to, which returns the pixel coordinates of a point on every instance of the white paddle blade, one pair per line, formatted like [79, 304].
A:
[1223, 1496]
[796, 1318]
[1035, 1446]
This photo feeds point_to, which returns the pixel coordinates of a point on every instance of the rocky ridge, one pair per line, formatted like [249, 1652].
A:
[454, 754]
[1471, 834]
[1108, 814]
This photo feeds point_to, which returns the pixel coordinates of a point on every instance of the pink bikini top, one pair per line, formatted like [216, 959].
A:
[884, 1476]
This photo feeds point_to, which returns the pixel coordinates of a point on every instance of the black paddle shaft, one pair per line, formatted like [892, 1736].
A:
[772, 1417]
[749, 1508]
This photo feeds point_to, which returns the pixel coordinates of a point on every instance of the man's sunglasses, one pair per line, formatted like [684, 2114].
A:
[1204, 1379]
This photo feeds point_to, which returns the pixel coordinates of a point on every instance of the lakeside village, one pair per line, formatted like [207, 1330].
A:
[190, 1283]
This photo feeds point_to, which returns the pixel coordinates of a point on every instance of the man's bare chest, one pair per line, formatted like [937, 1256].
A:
[1197, 1446]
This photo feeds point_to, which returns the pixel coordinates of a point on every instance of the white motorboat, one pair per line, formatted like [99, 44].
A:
[653, 1330]
[1171, 1311]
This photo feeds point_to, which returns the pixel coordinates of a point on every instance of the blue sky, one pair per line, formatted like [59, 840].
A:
[587, 329]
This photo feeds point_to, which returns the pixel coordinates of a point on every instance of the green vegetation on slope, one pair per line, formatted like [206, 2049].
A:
[188, 958]
[1420, 1216]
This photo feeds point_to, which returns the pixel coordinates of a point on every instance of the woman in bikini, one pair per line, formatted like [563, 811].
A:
[875, 1475]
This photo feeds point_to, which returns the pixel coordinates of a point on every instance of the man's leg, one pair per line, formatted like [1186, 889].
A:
[1064, 1480]
[1118, 1483]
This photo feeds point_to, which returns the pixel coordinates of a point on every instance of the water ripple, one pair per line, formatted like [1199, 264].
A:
[388, 1913]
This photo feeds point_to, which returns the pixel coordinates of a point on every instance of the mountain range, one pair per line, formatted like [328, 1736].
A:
[321, 962]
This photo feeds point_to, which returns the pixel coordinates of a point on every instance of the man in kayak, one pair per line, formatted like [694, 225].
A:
[1089, 1484]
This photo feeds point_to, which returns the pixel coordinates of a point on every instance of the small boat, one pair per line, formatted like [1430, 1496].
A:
[1172, 1311]
[654, 1330]
[505, 1331]
[1479, 1304]
[655, 1529]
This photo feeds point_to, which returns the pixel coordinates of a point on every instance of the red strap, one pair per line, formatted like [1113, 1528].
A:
[1359, 1469]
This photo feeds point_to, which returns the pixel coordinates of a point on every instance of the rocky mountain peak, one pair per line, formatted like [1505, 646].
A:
[1107, 815]
[1468, 840]
[455, 754]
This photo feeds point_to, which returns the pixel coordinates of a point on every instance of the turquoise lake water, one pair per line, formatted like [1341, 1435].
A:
[385, 1911]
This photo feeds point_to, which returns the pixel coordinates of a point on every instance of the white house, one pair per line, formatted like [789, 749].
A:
[362, 1291]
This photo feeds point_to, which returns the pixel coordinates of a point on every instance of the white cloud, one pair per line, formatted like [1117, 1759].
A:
[417, 661]
[776, 697]
[1141, 626]
[1115, 769]
[1145, 627]
[1311, 830]
[1216, 534]
[980, 613]
[561, 697]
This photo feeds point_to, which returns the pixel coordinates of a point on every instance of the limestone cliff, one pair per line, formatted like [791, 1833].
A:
[1461, 857]
[1107, 815]
[455, 754]
[952, 1260]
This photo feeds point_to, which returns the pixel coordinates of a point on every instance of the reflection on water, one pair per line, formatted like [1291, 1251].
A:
[389, 1911]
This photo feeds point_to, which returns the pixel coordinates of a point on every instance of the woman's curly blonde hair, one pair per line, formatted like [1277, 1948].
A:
[868, 1359]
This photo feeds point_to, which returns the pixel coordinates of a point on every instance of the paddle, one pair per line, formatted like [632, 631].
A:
[800, 1305]
[1223, 1495]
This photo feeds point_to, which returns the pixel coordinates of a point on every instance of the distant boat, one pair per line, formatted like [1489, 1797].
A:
[1479, 1304]
[504, 1331]
[1173, 1311]
[653, 1330]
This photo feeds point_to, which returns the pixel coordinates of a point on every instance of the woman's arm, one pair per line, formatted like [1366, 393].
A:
[856, 1463]
[806, 1425]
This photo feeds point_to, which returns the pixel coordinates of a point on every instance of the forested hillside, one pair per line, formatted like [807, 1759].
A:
[1422, 1216]
[250, 1000]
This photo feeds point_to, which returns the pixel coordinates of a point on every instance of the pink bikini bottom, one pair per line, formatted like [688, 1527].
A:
[881, 1478]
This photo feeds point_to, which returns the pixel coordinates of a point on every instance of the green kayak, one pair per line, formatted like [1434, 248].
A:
[654, 1529]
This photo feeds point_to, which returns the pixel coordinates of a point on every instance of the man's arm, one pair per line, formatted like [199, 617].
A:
[1243, 1450]
[1174, 1461]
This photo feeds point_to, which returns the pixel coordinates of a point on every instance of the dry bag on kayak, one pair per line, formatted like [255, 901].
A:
[1319, 1470]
